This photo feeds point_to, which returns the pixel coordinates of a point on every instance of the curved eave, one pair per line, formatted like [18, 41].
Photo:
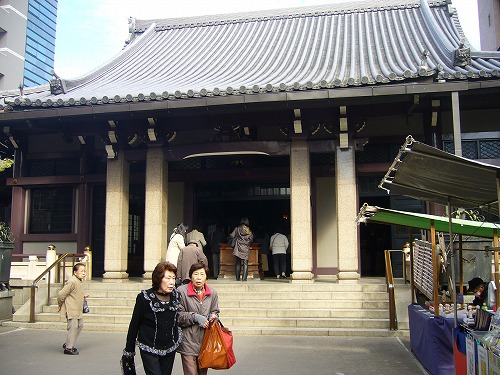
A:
[302, 52]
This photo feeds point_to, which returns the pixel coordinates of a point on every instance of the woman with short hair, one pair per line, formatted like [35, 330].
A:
[199, 306]
[153, 326]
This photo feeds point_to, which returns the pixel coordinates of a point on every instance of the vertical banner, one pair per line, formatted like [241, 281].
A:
[471, 363]
[482, 360]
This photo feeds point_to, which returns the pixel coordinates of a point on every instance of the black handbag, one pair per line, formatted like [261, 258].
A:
[127, 365]
[85, 307]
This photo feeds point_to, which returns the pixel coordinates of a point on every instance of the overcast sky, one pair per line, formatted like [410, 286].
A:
[89, 33]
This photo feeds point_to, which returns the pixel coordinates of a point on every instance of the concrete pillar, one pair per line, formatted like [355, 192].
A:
[116, 230]
[300, 211]
[347, 209]
[155, 223]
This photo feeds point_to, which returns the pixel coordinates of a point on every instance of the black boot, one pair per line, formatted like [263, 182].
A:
[237, 268]
[245, 269]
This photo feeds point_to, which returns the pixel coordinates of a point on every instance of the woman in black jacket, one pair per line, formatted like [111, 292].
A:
[153, 327]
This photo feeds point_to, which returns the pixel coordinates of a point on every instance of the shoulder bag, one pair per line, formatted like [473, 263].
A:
[216, 350]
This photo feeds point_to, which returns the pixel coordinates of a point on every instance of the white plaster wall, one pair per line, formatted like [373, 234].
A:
[326, 223]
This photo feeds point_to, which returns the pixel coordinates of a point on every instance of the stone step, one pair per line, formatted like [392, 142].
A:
[255, 285]
[278, 331]
[244, 322]
[254, 295]
[274, 307]
[225, 302]
[250, 313]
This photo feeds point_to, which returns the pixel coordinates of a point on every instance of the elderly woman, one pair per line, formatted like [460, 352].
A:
[199, 306]
[242, 236]
[153, 327]
[176, 243]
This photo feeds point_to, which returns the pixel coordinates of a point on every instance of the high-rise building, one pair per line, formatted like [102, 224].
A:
[489, 24]
[27, 42]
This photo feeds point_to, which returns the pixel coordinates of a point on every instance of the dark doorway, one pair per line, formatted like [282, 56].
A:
[374, 239]
[267, 207]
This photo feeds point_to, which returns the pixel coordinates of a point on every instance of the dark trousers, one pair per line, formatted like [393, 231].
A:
[216, 264]
[157, 364]
[279, 263]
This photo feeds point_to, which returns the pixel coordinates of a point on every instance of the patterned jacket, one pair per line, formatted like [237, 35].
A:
[153, 326]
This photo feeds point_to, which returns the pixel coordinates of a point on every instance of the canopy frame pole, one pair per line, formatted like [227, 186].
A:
[496, 276]
[452, 287]
[435, 271]
[412, 280]
[460, 263]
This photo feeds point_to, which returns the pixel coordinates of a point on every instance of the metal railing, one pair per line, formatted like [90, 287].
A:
[47, 271]
[389, 279]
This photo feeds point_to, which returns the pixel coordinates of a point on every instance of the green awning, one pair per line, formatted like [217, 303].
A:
[374, 214]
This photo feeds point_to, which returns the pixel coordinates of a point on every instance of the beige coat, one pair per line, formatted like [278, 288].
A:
[70, 298]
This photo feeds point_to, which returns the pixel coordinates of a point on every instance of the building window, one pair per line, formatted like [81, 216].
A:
[51, 210]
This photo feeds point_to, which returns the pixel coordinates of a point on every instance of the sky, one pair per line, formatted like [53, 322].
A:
[90, 33]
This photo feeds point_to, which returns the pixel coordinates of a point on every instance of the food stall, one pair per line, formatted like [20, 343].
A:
[426, 173]
[431, 330]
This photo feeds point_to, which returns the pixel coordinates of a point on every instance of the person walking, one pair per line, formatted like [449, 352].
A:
[243, 236]
[188, 256]
[278, 244]
[153, 326]
[176, 243]
[70, 300]
[199, 306]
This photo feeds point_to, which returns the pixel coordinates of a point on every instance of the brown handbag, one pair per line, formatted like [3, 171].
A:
[216, 350]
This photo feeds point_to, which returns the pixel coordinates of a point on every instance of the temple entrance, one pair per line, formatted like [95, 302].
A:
[267, 208]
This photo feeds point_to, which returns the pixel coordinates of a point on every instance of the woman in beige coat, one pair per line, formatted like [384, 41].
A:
[70, 300]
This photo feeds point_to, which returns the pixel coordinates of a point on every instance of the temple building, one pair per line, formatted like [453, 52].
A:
[290, 117]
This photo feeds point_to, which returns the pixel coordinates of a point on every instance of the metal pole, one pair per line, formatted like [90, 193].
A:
[453, 292]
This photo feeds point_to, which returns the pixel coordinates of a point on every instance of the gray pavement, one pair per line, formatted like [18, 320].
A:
[32, 351]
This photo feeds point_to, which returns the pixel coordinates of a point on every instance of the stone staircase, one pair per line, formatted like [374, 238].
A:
[255, 307]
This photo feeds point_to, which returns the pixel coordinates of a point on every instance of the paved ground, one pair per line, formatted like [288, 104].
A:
[30, 352]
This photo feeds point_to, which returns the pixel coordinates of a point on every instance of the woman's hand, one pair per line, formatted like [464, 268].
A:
[212, 318]
[86, 295]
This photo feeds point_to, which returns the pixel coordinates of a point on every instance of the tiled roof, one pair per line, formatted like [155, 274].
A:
[309, 48]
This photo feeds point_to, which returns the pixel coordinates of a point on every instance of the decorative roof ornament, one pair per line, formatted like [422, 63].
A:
[423, 69]
[131, 29]
[57, 85]
[461, 56]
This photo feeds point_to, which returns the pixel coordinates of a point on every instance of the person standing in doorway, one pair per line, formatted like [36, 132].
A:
[278, 244]
[70, 300]
[243, 236]
[176, 243]
[197, 237]
[218, 236]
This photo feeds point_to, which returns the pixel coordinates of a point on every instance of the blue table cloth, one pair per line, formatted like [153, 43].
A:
[431, 339]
